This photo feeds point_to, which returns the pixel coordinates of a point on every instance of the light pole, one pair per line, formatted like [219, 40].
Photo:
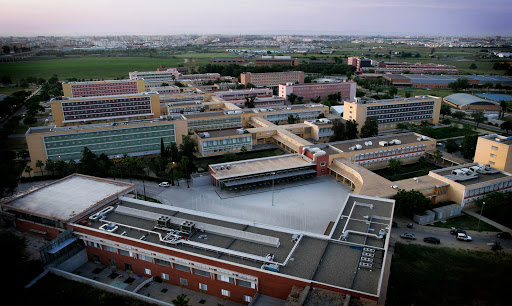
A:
[481, 211]
[273, 176]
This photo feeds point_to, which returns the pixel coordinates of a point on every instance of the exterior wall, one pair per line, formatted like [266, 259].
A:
[38, 229]
[272, 79]
[221, 145]
[102, 88]
[322, 90]
[498, 155]
[495, 108]
[243, 93]
[322, 162]
[276, 61]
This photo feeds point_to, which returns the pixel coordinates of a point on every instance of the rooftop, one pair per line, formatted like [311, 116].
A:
[463, 99]
[384, 101]
[496, 97]
[223, 133]
[66, 99]
[447, 172]
[99, 82]
[53, 201]
[498, 139]
[258, 165]
[445, 79]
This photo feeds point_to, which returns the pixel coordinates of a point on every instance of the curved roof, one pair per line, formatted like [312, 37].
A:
[462, 99]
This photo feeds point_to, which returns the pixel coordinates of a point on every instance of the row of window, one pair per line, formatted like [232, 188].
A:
[106, 145]
[421, 117]
[490, 188]
[221, 142]
[372, 163]
[67, 108]
[399, 105]
[390, 152]
[115, 110]
[397, 111]
[112, 132]
[92, 102]
[69, 154]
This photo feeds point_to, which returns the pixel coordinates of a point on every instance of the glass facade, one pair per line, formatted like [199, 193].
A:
[402, 112]
[141, 139]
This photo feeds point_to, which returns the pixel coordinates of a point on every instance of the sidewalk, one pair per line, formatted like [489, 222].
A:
[488, 221]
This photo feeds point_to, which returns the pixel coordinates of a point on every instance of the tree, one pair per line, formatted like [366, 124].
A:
[478, 117]
[40, 164]
[469, 146]
[180, 300]
[243, 149]
[250, 85]
[370, 127]
[452, 146]
[29, 119]
[338, 128]
[188, 147]
[50, 166]
[28, 169]
[411, 202]
[437, 155]
[163, 152]
[461, 83]
[394, 164]
[445, 109]
[496, 247]
[459, 115]
[506, 125]
[473, 66]
[249, 102]
[292, 97]
[291, 119]
[504, 108]
[392, 91]
[299, 100]
[402, 126]
[351, 128]
[6, 49]
[407, 94]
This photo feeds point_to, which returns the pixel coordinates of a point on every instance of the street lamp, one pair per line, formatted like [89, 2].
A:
[481, 211]
[273, 177]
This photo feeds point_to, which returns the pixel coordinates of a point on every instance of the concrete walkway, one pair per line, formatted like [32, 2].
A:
[488, 221]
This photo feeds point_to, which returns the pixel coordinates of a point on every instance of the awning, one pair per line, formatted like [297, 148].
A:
[267, 178]
[64, 244]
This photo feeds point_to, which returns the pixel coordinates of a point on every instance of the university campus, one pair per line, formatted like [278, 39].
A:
[252, 169]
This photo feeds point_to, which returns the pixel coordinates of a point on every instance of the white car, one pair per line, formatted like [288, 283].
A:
[463, 237]
[164, 184]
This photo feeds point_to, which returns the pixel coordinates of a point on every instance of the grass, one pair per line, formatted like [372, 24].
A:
[466, 222]
[16, 144]
[8, 90]
[149, 199]
[422, 275]
[500, 214]
[445, 132]
[406, 171]
[204, 162]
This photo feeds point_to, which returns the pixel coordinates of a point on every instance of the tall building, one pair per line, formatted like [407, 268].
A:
[102, 88]
[359, 62]
[496, 151]
[268, 60]
[71, 111]
[241, 94]
[391, 112]
[272, 79]
[311, 91]
[166, 75]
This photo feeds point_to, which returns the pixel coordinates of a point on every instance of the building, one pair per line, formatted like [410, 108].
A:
[166, 75]
[268, 60]
[272, 79]
[469, 102]
[311, 91]
[391, 112]
[72, 111]
[398, 68]
[496, 151]
[223, 141]
[47, 211]
[102, 88]
[359, 62]
[321, 129]
[227, 60]
[321, 61]
[442, 81]
[184, 107]
[199, 76]
[241, 94]
[165, 90]
[263, 102]
[133, 138]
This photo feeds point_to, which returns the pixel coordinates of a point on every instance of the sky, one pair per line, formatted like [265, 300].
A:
[346, 17]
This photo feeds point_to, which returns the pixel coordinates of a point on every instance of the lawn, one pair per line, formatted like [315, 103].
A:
[466, 222]
[84, 67]
[16, 144]
[422, 275]
[445, 132]
[406, 171]
[500, 214]
[204, 162]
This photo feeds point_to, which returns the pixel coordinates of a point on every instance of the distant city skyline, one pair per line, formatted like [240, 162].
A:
[158, 17]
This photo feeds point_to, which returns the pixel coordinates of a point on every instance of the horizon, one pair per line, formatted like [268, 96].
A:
[449, 18]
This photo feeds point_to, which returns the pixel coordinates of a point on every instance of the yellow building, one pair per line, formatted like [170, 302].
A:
[102, 88]
[223, 141]
[391, 112]
[496, 151]
[74, 111]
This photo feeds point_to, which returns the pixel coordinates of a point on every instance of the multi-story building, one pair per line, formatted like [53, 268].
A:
[113, 139]
[227, 60]
[391, 112]
[102, 88]
[223, 141]
[167, 75]
[203, 76]
[71, 111]
[397, 68]
[359, 62]
[321, 129]
[165, 90]
[300, 111]
[267, 60]
[216, 120]
[310, 91]
[241, 94]
[185, 107]
[262, 102]
[442, 81]
[272, 79]
[496, 151]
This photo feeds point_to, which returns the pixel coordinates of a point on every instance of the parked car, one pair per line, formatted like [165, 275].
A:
[164, 184]
[433, 240]
[410, 225]
[394, 224]
[504, 235]
[456, 231]
[464, 237]
[408, 236]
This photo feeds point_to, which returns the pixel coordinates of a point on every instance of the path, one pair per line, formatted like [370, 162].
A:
[488, 221]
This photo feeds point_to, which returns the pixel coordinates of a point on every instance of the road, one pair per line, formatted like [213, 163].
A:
[486, 126]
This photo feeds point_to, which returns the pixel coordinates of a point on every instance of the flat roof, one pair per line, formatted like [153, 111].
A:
[384, 101]
[496, 97]
[480, 179]
[445, 79]
[463, 99]
[68, 197]
[312, 257]
[104, 81]
[223, 133]
[258, 165]
[498, 139]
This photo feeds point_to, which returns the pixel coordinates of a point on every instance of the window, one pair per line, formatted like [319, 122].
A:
[165, 276]
[109, 248]
[183, 281]
[247, 298]
[493, 155]
[146, 258]
[491, 163]
[245, 284]
[494, 148]
[163, 262]
[147, 271]
[225, 292]
[226, 279]
[322, 164]
[94, 244]
[202, 272]
[181, 268]
[203, 287]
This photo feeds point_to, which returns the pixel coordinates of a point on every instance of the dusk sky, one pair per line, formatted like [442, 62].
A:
[432, 17]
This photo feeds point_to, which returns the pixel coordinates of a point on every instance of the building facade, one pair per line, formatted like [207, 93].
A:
[243, 93]
[102, 88]
[272, 79]
[495, 151]
[268, 60]
[310, 91]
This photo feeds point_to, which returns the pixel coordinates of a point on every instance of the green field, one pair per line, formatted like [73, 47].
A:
[466, 222]
[445, 132]
[422, 275]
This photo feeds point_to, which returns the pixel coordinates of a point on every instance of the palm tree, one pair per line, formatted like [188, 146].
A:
[437, 155]
[50, 166]
[180, 300]
[40, 164]
[28, 169]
